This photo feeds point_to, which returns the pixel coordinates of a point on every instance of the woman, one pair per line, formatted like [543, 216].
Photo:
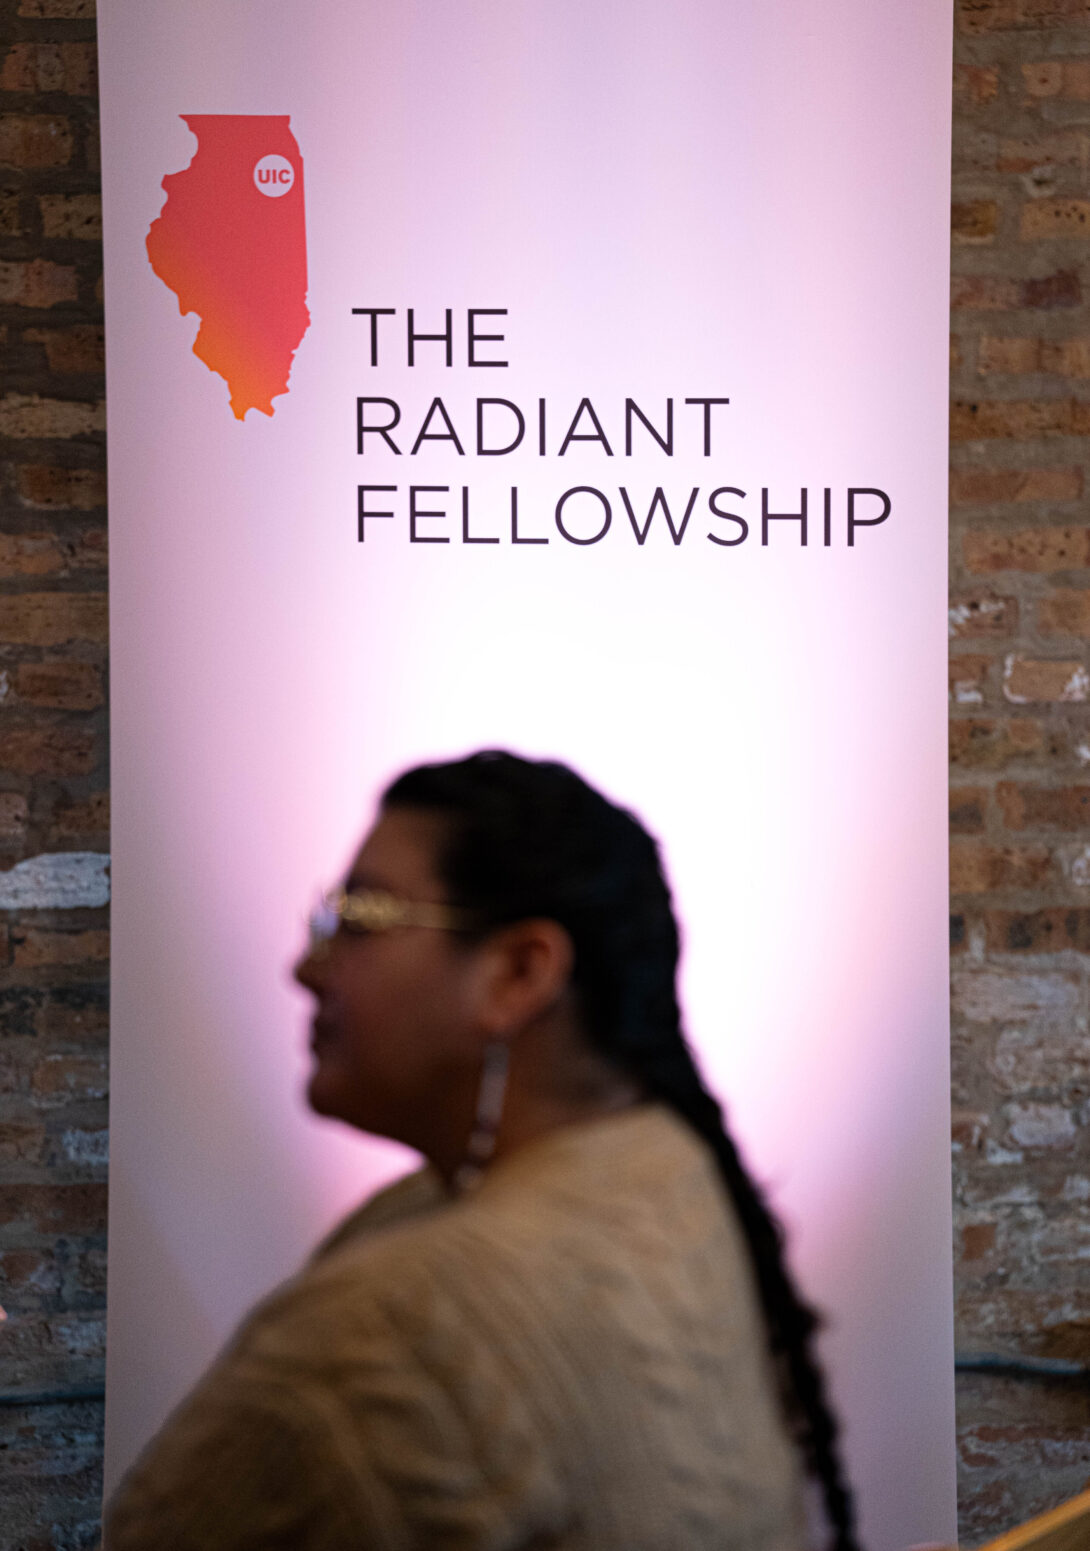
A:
[574, 1327]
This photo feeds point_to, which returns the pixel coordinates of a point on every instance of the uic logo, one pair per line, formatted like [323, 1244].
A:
[274, 176]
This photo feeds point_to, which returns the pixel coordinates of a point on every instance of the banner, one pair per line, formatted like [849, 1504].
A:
[570, 378]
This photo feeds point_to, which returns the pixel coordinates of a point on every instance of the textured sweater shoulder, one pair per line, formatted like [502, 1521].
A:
[572, 1357]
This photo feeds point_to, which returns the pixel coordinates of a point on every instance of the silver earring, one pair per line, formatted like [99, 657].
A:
[489, 1112]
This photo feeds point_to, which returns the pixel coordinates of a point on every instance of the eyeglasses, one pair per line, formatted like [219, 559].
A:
[374, 910]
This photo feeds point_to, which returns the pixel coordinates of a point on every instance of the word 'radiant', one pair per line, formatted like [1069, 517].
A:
[501, 426]
[584, 515]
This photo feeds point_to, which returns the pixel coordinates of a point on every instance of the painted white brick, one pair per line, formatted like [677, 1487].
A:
[89, 1148]
[994, 995]
[1041, 1125]
[57, 880]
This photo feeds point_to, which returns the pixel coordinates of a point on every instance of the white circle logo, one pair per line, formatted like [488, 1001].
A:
[274, 175]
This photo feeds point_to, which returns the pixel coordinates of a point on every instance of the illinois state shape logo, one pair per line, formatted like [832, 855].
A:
[230, 241]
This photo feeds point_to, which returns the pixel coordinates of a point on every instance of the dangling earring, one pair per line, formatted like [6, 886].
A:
[486, 1121]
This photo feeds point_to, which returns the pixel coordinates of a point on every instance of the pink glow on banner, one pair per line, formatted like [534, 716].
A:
[668, 201]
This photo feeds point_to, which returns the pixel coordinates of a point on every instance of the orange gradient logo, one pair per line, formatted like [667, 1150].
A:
[230, 242]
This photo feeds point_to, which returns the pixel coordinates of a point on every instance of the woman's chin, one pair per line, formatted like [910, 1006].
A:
[322, 1091]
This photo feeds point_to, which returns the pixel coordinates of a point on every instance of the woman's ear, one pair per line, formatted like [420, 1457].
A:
[526, 968]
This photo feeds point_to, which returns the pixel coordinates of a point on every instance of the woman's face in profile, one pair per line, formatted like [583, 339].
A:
[394, 1034]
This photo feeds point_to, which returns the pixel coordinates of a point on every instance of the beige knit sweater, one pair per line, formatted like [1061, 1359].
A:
[571, 1357]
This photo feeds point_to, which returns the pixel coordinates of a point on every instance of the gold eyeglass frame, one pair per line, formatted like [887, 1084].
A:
[376, 910]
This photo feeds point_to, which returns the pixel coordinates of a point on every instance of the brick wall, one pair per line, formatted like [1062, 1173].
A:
[1020, 748]
[1020, 751]
[53, 779]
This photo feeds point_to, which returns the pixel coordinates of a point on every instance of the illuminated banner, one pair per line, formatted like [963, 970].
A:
[571, 378]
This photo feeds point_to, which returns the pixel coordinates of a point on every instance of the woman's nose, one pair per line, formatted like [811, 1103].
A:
[308, 969]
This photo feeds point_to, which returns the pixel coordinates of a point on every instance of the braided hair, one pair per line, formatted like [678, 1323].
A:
[528, 837]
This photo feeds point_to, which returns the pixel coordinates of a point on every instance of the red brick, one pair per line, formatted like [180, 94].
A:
[1043, 77]
[55, 1456]
[48, 554]
[30, 141]
[50, 489]
[1065, 148]
[976, 149]
[30, 554]
[982, 614]
[1065, 78]
[87, 1274]
[13, 816]
[986, 744]
[959, 941]
[1039, 1464]
[81, 820]
[53, 618]
[50, 67]
[974, 221]
[987, 487]
[994, 293]
[967, 1129]
[11, 216]
[984, 293]
[88, 550]
[1045, 220]
[60, 684]
[1037, 807]
[969, 679]
[49, 1209]
[980, 16]
[75, 1014]
[29, 1277]
[85, 550]
[1019, 1423]
[1027, 679]
[1061, 289]
[1017, 419]
[976, 868]
[21, 1141]
[48, 751]
[1039, 931]
[1022, 353]
[39, 283]
[77, 1334]
[71, 215]
[977, 1239]
[976, 84]
[36, 949]
[968, 809]
[1066, 357]
[76, 349]
[1029, 549]
[1065, 612]
[68, 10]
[61, 1077]
[28, 415]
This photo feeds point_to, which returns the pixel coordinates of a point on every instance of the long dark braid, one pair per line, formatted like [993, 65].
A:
[532, 838]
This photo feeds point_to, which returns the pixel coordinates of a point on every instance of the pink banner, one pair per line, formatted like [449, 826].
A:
[570, 378]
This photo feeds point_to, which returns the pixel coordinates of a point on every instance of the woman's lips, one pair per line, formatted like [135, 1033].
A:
[321, 1033]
